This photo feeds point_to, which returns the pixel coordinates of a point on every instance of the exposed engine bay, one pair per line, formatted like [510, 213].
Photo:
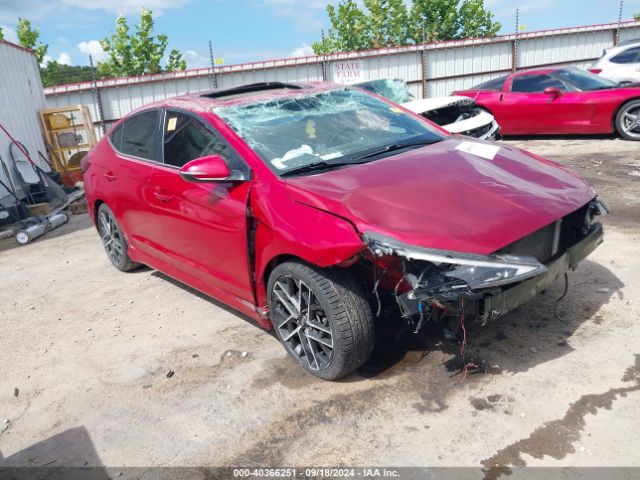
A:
[425, 281]
[457, 114]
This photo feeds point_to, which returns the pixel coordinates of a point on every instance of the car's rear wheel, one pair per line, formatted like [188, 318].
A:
[113, 240]
[322, 318]
[628, 120]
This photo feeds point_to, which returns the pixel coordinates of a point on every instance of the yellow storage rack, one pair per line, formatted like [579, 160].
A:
[69, 134]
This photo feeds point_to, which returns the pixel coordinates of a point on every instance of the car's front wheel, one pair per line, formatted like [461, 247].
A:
[113, 240]
[322, 318]
[628, 120]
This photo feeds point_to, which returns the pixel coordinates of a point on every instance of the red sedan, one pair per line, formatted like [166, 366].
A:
[560, 101]
[309, 206]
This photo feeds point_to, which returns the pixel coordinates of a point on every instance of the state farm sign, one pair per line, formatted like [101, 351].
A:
[348, 72]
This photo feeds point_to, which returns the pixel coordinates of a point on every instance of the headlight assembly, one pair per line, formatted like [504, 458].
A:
[477, 271]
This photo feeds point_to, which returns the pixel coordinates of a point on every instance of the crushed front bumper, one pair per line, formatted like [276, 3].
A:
[510, 298]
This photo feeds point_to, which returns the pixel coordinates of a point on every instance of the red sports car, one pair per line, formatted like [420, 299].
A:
[308, 206]
[560, 101]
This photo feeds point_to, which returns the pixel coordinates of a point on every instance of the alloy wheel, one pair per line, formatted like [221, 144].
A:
[302, 323]
[111, 237]
[630, 121]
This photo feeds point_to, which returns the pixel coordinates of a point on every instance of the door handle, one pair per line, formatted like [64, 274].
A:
[110, 176]
[163, 197]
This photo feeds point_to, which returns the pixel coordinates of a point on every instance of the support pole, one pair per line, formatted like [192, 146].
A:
[423, 60]
[617, 37]
[214, 79]
[324, 58]
[514, 45]
[96, 93]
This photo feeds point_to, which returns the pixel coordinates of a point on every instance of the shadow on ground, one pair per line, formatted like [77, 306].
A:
[199, 294]
[72, 447]
[537, 332]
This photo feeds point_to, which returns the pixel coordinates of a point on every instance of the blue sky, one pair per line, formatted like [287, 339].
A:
[249, 30]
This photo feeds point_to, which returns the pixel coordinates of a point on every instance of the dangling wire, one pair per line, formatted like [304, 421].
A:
[564, 293]
[466, 365]
[376, 283]
[420, 309]
[566, 287]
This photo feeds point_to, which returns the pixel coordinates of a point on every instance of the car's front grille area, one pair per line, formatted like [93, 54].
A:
[538, 244]
[554, 239]
[479, 132]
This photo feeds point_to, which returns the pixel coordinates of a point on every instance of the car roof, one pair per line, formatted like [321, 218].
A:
[542, 71]
[242, 94]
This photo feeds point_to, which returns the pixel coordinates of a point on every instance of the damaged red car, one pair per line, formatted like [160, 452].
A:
[308, 206]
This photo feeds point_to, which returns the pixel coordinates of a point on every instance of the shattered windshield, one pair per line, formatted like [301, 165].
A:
[329, 129]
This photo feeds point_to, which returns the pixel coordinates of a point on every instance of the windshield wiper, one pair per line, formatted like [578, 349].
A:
[323, 165]
[358, 159]
[394, 147]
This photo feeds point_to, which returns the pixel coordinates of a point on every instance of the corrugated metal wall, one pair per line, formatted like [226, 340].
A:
[437, 69]
[21, 98]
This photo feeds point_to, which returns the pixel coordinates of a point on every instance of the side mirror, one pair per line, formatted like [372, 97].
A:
[555, 92]
[211, 168]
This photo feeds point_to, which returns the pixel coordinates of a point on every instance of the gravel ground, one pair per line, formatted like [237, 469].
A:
[98, 367]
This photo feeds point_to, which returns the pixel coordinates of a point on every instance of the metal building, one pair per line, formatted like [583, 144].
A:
[21, 98]
[431, 70]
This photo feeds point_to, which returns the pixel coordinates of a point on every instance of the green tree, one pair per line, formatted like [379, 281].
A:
[386, 23]
[137, 53]
[433, 20]
[637, 16]
[1, 34]
[348, 29]
[58, 74]
[474, 20]
[175, 61]
[389, 23]
[28, 37]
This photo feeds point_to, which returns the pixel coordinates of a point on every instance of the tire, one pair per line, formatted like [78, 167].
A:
[627, 120]
[341, 336]
[114, 242]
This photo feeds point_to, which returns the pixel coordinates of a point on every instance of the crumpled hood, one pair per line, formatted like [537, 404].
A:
[427, 104]
[439, 197]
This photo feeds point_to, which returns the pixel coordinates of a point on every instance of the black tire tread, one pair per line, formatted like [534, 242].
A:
[347, 308]
[128, 264]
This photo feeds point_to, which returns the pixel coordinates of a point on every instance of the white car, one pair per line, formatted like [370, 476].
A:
[621, 63]
[457, 114]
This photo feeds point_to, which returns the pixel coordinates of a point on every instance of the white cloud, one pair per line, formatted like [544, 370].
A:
[303, 50]
[306, 16]
[9, 34]
[45, 61]
[196, 60]
[64, 58]
[93, 48]
[505, 10]
[126, 7]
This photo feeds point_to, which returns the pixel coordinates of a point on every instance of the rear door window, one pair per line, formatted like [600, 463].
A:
[136, 136]
[628, 56]
[535, 83]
